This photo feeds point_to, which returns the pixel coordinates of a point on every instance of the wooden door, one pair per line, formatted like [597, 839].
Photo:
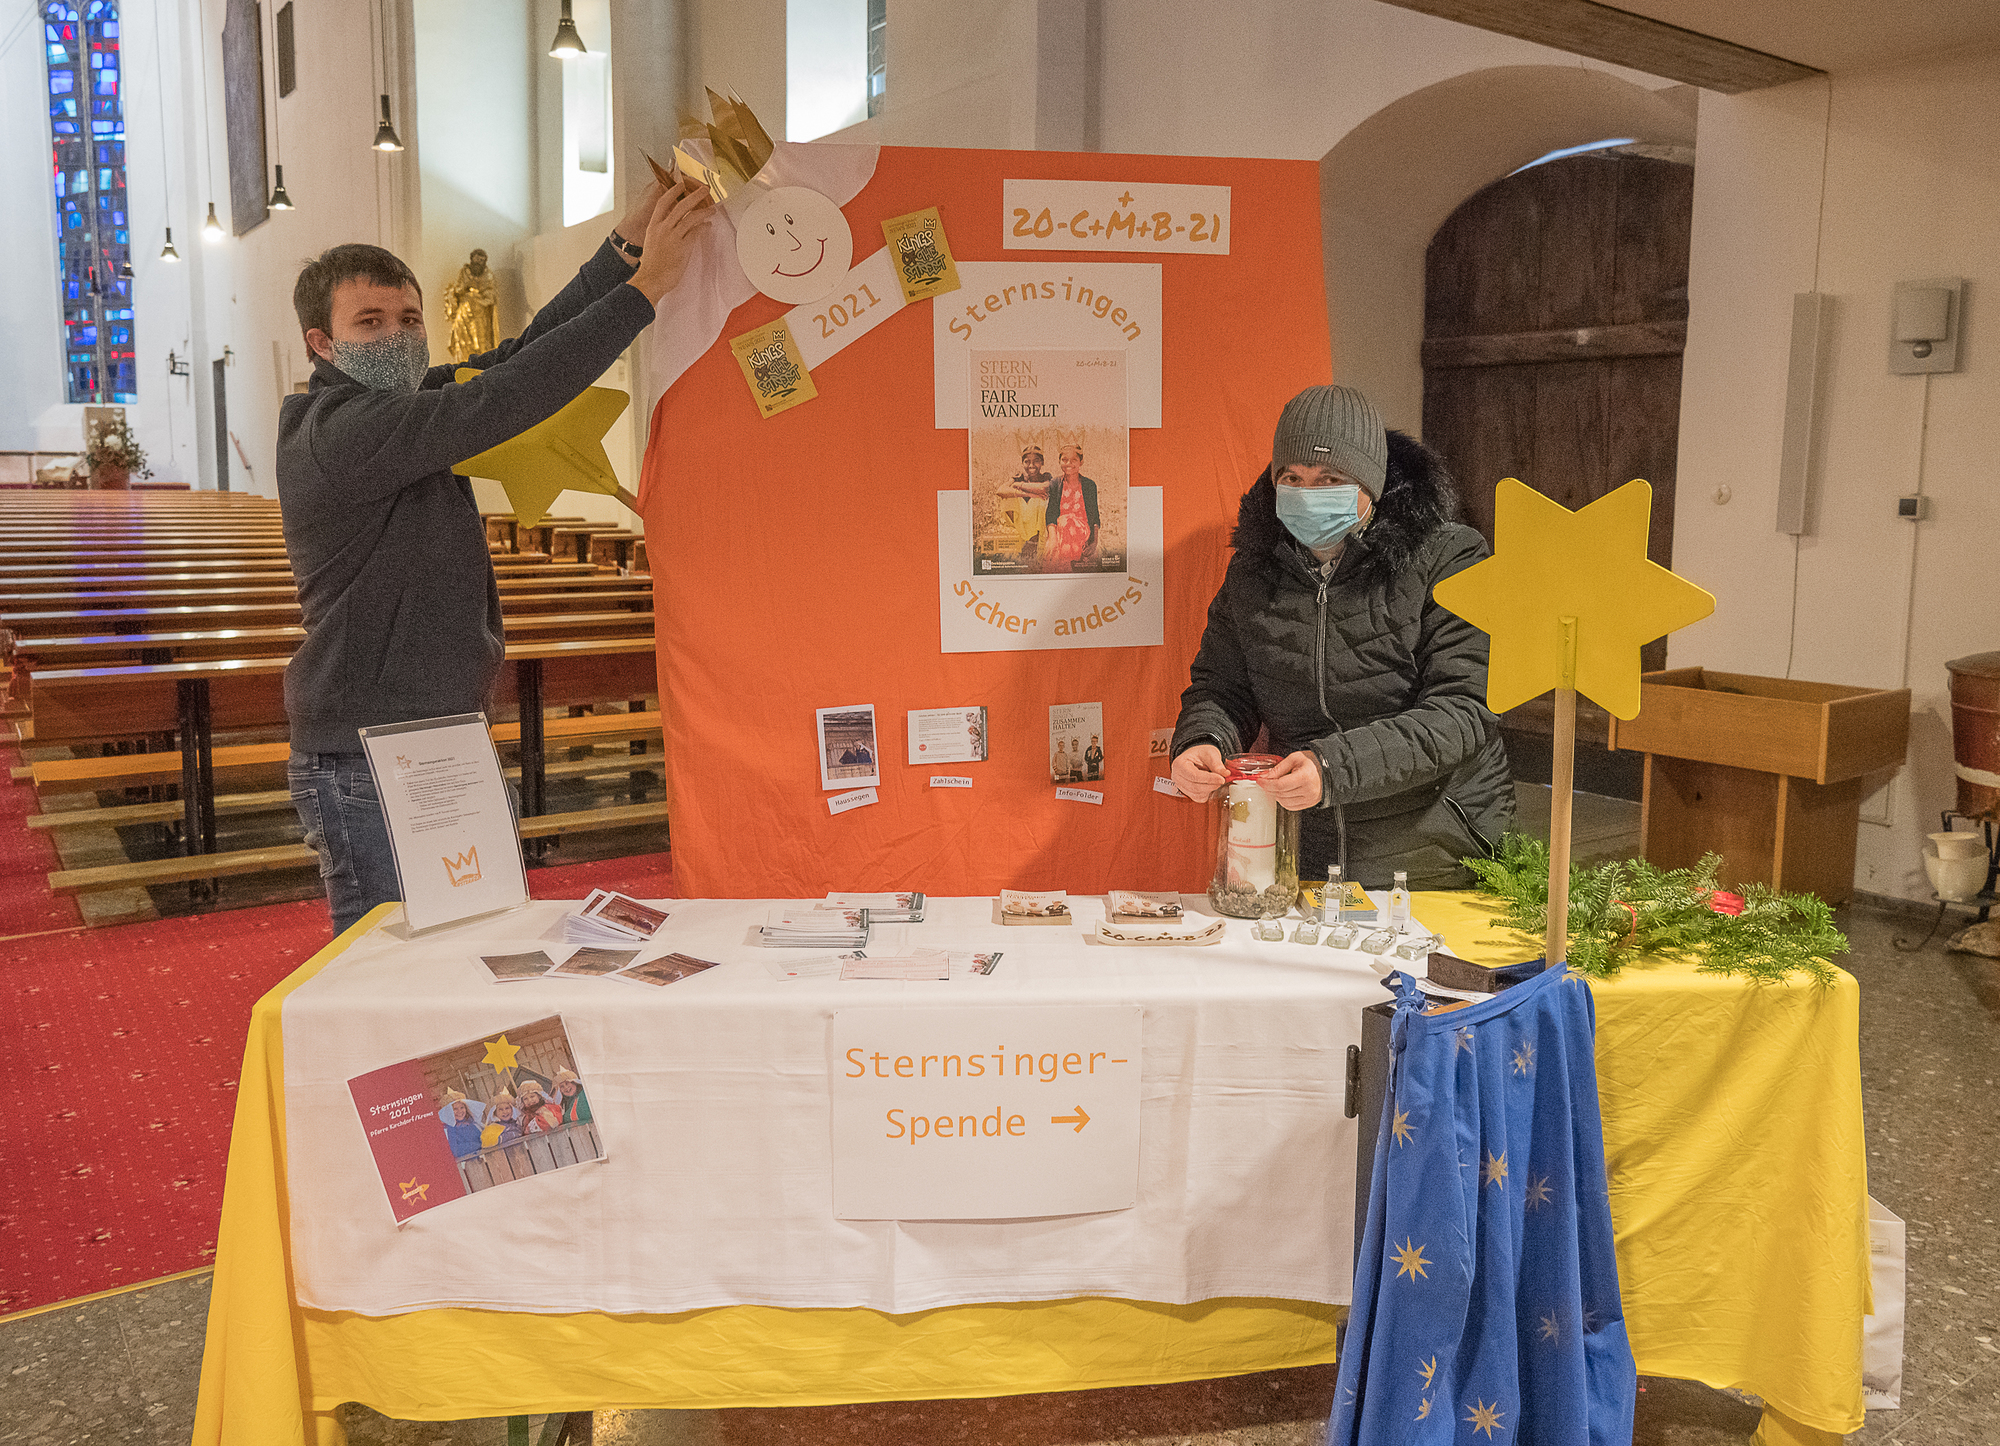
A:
[1555, 313]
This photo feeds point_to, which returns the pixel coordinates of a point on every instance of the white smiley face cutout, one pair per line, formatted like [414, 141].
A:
[794, 244]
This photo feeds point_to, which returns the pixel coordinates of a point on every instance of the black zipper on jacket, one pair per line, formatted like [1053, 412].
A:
[1325, 581]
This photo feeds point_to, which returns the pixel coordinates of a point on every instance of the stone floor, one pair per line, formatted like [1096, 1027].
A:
[124, 1368]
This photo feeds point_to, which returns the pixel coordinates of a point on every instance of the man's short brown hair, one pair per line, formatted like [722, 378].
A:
[312, 296]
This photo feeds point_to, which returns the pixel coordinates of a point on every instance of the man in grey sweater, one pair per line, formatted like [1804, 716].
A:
[401, 611]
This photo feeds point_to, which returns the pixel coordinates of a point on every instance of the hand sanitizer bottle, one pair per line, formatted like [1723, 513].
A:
[1331, 900]
[1399, 902]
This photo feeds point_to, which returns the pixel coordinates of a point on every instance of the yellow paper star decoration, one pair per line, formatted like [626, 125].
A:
[500, 1054]
[1549, 564]
[563, 453]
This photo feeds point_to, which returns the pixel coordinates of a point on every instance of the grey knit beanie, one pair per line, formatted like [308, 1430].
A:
[1335, 427]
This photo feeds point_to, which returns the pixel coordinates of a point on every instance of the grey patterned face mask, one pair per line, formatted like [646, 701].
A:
[393, 363]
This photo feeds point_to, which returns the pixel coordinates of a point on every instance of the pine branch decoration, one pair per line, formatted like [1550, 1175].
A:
[1630, 909]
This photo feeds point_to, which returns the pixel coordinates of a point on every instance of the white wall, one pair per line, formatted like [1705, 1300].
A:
[31, 377]
[1910, 192]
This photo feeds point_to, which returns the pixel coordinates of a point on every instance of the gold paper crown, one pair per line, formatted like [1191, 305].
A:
[737, 141]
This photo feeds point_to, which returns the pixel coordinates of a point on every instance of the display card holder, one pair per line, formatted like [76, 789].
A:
[452, 830]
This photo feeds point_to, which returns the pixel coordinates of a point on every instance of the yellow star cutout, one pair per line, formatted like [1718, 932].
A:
[1428, 1370]
[1538, 1191]
[1551, 1331]
[1549, 564]
[1524, 1059]
[1410, 1260]
[1400, 1127]
[500, 1054]
[565, 452]
[1485, 1418]
[1423, 1408]
[1494, 1171]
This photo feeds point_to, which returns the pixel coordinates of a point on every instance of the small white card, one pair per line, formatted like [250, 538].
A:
[857, 798]
[1168, 787]
[950, 780]
[1079, 795]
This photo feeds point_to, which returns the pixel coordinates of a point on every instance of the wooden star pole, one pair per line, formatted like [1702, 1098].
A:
[1568, 598]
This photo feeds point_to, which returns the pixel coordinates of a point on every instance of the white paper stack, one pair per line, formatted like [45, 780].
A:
[805, 927]
[612, 918]
[905, 908]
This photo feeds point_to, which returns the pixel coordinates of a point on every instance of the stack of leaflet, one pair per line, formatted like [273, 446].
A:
[612, 918]
[905, 908]
[805, 927]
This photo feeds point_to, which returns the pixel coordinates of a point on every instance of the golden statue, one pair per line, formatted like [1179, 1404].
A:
[469, 306]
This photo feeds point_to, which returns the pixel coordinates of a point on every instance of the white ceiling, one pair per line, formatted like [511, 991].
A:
[1835, 35]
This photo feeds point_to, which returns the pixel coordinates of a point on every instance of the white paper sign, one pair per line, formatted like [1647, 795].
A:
[1089, 305]
[950, 780]
[1168, 787]
[947, 735]
[855, 798]
[984, 1114]
[868, 296]
[1042, 612]
[451, 824]
[1114, 216]
[1079, 795]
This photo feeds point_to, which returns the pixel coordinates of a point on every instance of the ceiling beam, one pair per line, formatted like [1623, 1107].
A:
[1622, 38]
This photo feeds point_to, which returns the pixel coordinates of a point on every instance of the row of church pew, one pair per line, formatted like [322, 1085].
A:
[150, 634]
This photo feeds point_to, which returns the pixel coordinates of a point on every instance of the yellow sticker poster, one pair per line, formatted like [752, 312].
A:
[773, 367]
[922, 255]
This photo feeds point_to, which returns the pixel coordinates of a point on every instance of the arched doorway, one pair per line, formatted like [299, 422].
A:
[1555, 314]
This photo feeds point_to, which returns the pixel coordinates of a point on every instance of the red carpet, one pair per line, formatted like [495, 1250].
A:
[122, 1045]
[26, 860]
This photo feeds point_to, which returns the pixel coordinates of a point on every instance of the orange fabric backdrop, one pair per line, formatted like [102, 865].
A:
[795, 564]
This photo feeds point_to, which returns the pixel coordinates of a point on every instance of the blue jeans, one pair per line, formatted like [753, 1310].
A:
[342, 817]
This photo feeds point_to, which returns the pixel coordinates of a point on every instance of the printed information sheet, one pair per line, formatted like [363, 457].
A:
[451, 825]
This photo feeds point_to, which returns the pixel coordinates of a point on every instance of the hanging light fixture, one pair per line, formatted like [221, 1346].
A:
[125, 272]
[567, 42]
[211, 229]
[385, 133]
[167, 252]
[279, 200]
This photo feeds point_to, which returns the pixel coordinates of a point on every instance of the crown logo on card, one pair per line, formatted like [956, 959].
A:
[413, 1191]
[463, 869]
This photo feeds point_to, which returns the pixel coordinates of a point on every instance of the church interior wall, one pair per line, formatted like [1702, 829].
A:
[1847, 187]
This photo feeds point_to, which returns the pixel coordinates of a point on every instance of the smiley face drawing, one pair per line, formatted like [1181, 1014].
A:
[794, 244]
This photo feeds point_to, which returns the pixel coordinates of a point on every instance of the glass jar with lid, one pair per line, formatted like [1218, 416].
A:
[1256, 844]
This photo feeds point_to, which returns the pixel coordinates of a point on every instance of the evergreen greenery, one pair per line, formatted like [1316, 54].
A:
[1630, 909]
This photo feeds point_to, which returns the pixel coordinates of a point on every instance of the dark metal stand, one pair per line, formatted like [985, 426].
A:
[534, 755]
[197, 778]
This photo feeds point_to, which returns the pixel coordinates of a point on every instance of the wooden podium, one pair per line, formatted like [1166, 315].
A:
[1764, 771]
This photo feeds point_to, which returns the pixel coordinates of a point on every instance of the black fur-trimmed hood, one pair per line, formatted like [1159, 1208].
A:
[1418, 497]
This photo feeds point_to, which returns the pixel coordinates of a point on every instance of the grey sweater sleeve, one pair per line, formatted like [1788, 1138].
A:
[376, 442]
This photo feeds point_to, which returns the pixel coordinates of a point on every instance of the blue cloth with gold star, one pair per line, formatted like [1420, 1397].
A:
[1486, 1303]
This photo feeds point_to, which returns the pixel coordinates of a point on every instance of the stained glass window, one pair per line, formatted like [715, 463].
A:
[93, 229]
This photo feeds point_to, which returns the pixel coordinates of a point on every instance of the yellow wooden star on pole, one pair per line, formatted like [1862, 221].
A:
[500, 1054]
[1568, 599]
[563, 453]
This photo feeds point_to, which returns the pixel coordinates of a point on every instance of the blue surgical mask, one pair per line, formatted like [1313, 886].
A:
[393, 363]
[1319, 516]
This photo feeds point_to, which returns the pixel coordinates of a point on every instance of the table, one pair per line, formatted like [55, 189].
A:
[1733, 1277]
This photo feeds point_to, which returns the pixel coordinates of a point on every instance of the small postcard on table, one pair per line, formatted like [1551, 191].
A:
[481, 1114]
[668, 970]
[1017, 906]
[1137, 904]
[592, 962]
[606, 917]
[513, 968]
[848, 755]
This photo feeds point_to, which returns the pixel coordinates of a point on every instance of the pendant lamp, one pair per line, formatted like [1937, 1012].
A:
[279, 200]
[211, 229]
[385, 133]
[567, 41]
[167, 252]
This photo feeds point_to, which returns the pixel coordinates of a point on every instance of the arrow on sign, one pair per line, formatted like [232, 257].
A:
[1079, 1119]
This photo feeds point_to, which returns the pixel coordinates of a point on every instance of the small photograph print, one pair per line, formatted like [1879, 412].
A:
[668, 970]
[489, 1112]
[640, 920]
[591, 962]
[1138, 904]
[513, 968]
[1018, 906]
[1076, 743]
[848, 755]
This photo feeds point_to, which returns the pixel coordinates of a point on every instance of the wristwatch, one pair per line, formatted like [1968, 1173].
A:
[635, 252]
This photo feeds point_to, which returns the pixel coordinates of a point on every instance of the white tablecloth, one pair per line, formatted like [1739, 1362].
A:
[711, 1097]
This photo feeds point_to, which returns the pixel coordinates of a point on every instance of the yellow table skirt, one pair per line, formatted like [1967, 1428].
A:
[1732, 1123]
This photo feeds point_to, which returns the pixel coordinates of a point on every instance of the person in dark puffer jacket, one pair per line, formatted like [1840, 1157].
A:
[1325, 634]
